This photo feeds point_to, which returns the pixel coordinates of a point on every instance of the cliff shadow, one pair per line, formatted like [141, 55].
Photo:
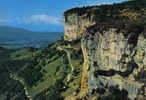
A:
[130, 68]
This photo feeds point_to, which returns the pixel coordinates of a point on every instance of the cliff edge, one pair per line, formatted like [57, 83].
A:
[113, 43]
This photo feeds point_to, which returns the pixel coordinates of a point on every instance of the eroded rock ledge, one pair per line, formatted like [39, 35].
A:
[113, 46]
[113, 61]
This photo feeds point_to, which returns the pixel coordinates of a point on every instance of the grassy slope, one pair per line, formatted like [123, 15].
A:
[11, 89]
[39, 74]
[54, 84]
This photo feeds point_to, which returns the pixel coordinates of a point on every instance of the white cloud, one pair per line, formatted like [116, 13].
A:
[34, 19]
[43, 19]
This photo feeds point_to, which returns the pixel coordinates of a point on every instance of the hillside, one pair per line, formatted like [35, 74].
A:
[10, 62]
[101, 57]
[43, 74]
[11, 37]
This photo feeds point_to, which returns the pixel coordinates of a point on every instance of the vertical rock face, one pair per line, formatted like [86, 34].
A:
[114, 60]
[114, 48]
[74, 26]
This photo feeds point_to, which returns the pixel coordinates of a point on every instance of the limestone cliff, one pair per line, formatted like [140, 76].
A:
[74, 26]
[113, 42]
[113, 61]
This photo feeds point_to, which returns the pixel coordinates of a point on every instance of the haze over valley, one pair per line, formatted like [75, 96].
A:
[11, 37]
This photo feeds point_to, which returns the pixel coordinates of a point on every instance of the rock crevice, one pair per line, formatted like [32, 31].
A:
[114, 51]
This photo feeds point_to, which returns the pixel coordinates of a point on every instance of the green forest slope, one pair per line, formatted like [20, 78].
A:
[33, 74]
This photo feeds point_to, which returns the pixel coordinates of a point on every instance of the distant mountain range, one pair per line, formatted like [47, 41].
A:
[11, 37]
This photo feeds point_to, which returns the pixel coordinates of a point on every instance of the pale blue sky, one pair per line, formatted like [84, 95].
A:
[40, 15]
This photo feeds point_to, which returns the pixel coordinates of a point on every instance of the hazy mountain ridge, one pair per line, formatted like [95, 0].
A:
[11, 37]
